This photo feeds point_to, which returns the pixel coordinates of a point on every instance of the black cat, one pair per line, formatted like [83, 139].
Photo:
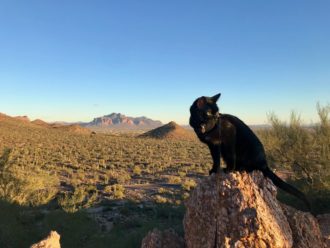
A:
[231, 138]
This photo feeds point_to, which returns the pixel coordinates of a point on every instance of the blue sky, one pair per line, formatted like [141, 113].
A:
[76, 60]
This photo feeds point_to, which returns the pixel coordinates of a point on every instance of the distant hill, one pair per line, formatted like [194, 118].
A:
[40, 123]
[170, 131]
[120, 121]
[3, 116]
[22, 118]
[24, 122]
[114, 121]
[74, 128]
[18, 120]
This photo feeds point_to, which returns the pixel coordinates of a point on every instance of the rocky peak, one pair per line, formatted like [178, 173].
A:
[115, 115]
[173, 124]
[118, 119]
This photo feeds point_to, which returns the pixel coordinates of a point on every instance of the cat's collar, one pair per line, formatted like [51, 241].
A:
[216, 120]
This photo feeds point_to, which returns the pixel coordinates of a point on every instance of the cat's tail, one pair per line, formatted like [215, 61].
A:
[285, 186]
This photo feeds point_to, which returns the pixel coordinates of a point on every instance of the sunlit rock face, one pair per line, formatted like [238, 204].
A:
[51, 241]
[241, 210]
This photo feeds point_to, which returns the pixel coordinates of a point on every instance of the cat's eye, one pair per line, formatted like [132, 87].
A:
[209, 113]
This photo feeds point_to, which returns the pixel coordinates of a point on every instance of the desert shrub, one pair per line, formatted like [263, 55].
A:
[174, 179]
[116, 191]
[25, 186]
[185, 196]
[81, 197]
[182, 174]
[160, 199]
[137, 170]
[305, 151]
[123, 178]
[161, 190]
[188, 184]
[290, 145]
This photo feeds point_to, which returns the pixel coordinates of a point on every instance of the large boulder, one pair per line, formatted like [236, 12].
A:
[241, 210]
[305, 228]
[324, 222]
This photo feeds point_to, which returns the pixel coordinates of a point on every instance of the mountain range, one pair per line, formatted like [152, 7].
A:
[114, 121]
[120, 121]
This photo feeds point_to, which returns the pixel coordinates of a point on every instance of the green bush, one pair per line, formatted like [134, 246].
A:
[137, 170]
[81, 197]
[188, 184]
[116, 191]
[160, 199]
[25, 186]
[304, 151]
[173, 179]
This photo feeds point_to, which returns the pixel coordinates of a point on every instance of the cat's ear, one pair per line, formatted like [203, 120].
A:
[215, 98]
[201, 102]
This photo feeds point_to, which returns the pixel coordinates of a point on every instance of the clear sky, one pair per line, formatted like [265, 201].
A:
[76, 60]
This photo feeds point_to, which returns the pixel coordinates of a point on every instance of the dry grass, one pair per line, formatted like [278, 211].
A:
[140, 183]
[75, 159]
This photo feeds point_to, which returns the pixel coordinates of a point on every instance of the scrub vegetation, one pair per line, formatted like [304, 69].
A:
[103, 189]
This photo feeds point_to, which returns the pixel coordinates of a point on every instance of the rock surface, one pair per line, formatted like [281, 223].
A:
[118, 119]
[324, 222]
[305, 228]
[52, 241]
[241, 210]
[162, 239]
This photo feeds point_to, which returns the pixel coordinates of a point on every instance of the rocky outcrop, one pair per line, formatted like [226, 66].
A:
[52, 241]
[162, 239]
[305, 228]
[241, 210]
[117, 120]
[235, 210]
[324, 222]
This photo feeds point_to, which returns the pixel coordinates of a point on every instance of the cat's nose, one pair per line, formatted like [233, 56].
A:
[203, 128]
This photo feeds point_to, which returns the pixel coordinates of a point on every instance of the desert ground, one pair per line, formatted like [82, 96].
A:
[97, 189]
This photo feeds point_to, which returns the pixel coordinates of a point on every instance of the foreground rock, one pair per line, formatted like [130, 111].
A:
[162, 239]
[52, 241]
[305, 228]
[241, 210]
[324, 222]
